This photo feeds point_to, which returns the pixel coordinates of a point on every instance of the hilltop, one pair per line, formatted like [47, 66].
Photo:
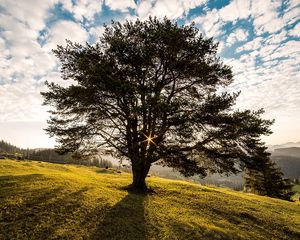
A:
[52, 201]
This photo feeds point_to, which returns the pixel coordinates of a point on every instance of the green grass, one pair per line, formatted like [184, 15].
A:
[50, 201]
[296, 188]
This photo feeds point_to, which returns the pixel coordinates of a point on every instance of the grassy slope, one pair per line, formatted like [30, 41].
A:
[49, 201]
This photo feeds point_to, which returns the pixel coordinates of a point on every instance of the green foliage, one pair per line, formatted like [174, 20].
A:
[50, 155]
[54, 201]
[265, 178]
[10, 151]
[149, 90]
[6, 147]
[296, 188]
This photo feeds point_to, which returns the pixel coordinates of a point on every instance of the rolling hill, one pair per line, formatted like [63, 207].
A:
[288, 159]
[291, 152]
[52, 201]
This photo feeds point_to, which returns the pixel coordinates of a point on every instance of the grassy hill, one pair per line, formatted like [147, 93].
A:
[51, 201]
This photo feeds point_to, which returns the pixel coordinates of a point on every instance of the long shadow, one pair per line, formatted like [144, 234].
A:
[255, 223]
[39, 212]
[125, 220]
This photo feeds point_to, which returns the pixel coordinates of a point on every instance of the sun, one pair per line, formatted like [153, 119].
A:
[149, 139]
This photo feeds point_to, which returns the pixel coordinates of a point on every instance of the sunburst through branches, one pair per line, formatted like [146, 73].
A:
[149, 139]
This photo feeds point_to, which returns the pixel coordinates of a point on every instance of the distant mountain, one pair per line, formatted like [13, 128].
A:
[290, 166]
[288, 159]
[284, 145]
[291, 151]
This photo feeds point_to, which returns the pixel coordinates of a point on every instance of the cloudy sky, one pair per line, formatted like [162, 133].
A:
[258, 38]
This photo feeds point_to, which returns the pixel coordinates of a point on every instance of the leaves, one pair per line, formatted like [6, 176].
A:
[153, 78]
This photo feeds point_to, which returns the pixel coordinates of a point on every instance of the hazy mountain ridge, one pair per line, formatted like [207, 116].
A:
[284, 145]
[290, 151]
[288, 159]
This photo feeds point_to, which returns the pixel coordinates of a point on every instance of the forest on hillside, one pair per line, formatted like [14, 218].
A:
[8, 150]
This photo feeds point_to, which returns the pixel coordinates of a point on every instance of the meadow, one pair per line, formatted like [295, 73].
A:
[53, 201]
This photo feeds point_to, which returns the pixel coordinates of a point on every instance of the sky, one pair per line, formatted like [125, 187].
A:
[258, 38]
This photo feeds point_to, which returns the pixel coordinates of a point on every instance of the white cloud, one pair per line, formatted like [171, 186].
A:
[23, 58]
[251, 45]
[32, 13]
[290, 50]
[276, 38]
[293, 4]
[23, 55]
[266, 16]
[274, 84]
[83, 9]
[239, 35]
[120, 5]
[221, 47]
[276, 93]
[208, 20]
[267, 50]
[96, 32]
[210, 23]
[63, 30]
[268, 23]
[268, 86]
[22, 40]
[143, 9]
[162, 8]
[237, 9]
[5, 70]
[295, 31]
[21, 101]
[291, 16]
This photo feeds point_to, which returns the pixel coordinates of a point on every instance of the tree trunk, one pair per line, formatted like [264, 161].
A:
[139, 172]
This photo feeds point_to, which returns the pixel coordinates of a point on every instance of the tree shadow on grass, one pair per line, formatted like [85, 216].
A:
[9, 181]
[124, 220]
[36, 213]
[247, 221]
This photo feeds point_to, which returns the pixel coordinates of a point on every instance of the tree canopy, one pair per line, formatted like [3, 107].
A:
[153, 91]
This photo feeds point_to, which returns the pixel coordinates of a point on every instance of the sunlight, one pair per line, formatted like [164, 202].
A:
[149, 139]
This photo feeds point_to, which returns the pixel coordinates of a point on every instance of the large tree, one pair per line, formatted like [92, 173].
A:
[153, 91]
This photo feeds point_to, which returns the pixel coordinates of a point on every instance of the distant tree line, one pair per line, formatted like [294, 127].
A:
[8, 150]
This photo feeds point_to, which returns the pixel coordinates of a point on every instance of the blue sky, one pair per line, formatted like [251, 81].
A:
[259, 39]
